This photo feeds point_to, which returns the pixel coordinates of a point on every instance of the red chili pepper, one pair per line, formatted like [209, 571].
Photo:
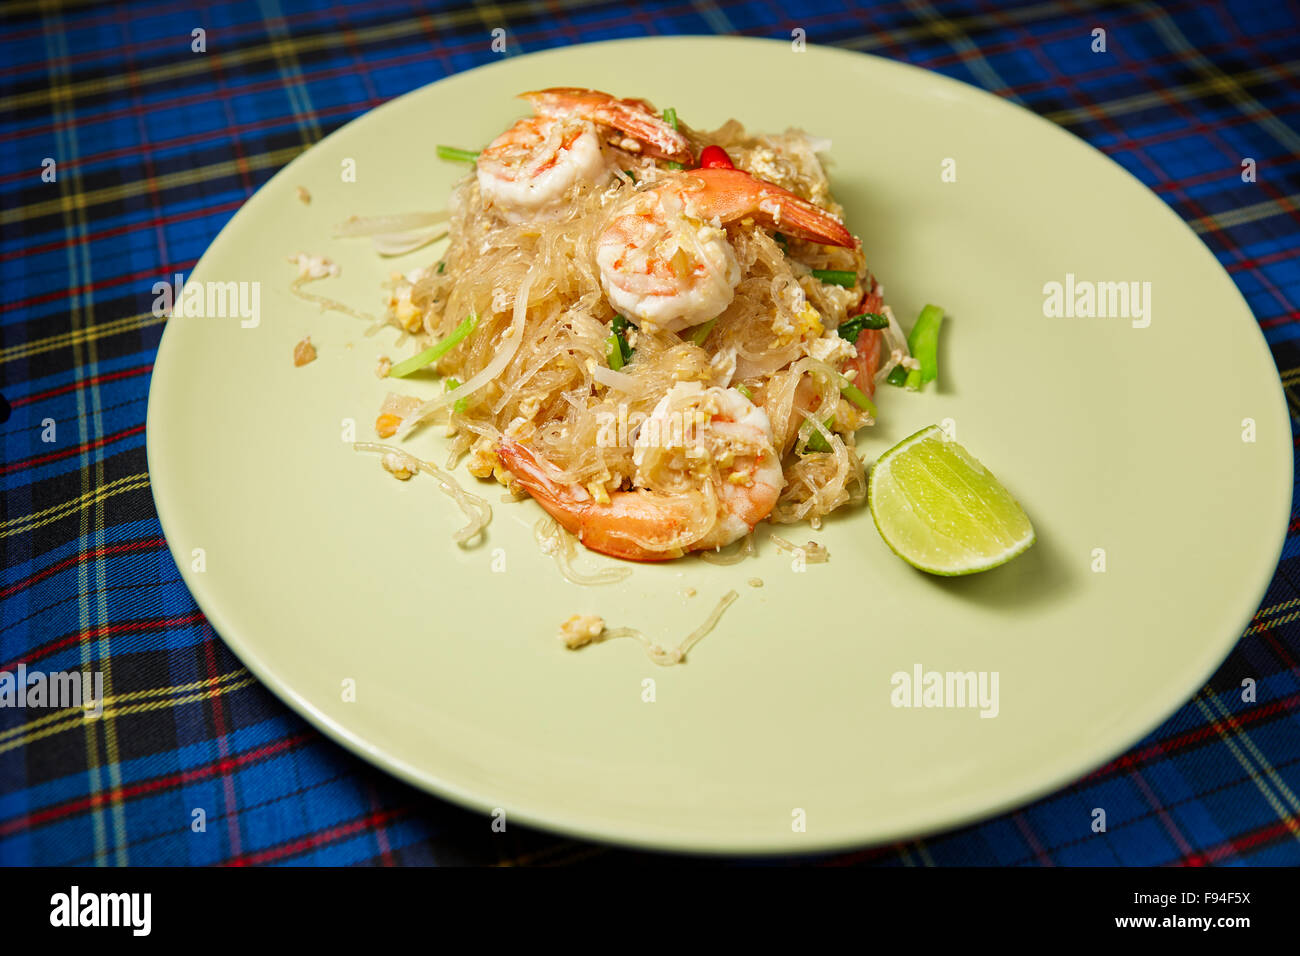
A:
[715, 157]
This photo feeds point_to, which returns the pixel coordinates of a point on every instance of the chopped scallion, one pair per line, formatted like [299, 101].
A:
[614, 351]
[851, 328]
[701, 332]
[841, 277]
[435, 352]
[454, 155]
[670, 117]
[618, 327]
[857, 397]
[460, 404]
[816, 442]
[923, 343]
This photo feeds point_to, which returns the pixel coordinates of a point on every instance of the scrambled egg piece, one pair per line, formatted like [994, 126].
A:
[314, 267]
[399, 466]
[831, 349]
[407, 314]
[581, 629]
[807, 324]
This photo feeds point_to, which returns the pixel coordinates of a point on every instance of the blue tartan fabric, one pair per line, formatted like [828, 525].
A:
[156, 147]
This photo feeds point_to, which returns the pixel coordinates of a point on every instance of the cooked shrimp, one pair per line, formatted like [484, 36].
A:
[526, 171]
[661, 261]
[713, 444]
[868, 345]
[867, 360]
[636, 118]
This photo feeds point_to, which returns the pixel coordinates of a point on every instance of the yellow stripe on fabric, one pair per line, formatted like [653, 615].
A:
[234, 61]
[1177, 43]
[67, 508]
[902, 35]
[63, 112]
[1244, 214]
[95, 331]
[1244, 736]
[1182, 93]
[286, 60]
[184, 177]
[1260, 784]
[1278, 622]
[107, 702]
[952, 33]
[1277, 608]
[77, 717]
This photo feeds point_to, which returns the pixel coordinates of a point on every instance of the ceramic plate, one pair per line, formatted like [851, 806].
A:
[1124, 437]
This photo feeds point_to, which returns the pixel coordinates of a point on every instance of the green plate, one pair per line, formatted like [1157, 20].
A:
[780, 733]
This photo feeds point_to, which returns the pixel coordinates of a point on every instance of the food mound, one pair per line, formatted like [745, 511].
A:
[664, 335]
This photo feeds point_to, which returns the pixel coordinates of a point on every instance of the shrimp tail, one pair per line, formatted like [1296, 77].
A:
[733, 194]
[607, 528]
[867, 361]
[637, 118]
[801, 218]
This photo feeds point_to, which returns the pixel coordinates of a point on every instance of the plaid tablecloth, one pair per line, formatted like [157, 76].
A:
[155, 146]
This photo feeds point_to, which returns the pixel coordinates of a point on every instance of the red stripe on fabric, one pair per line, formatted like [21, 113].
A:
[97, 286]
[318, 839]
[1135, 758]
[1273, 258]
[228, 31]
[1031, 838]
[216, 707]
[359, 106]
[153, 785]
[1189, 855]
[204, 99]
[445, 50]
[92, 445]
[122, 22]
[140, 625]
[382, 842]
[123, 230]
[1251, 840]
[1135, 69]
[81, 383]
[108, 550]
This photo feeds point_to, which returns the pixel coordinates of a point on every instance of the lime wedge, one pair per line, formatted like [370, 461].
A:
[940, 510]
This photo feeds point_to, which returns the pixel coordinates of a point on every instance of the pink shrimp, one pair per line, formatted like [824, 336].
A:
[661, 262]
[732, 194]
[636, 118]
[642, 525]
[527, 171]
[615, 528]
[868, 345]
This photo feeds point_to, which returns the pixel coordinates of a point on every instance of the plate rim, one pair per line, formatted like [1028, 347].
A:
[647, 838]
